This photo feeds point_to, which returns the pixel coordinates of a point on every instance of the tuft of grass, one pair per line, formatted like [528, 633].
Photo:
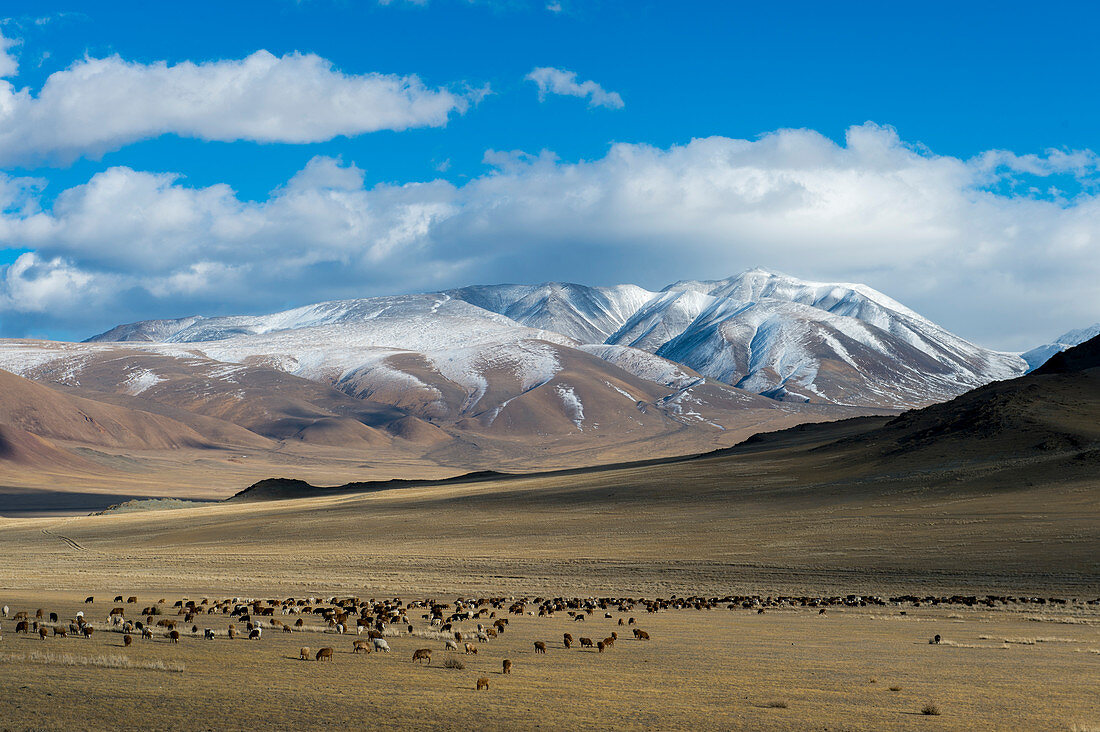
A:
[101, 661]
[930, 710]
[452, 662]
[777, 704]
[895, 688]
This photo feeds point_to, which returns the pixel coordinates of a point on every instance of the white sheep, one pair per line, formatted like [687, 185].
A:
[451, 646]
[381, 645]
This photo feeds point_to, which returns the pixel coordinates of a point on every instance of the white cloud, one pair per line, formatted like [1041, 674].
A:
[1007, 270]
[9, 65]
[101, 104]
[560, 81]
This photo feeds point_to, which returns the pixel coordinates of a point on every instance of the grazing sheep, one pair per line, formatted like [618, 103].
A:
[174, 636]
[935, 640]
[60, 632]
[127, 640]
[640, 635]
[471, 649]
[586, 643]
[450, 646]
[482, 683]
[23, 627]
[600, 646]
[6, 611]
[608, 642]
[118, 598]
[303, 654]
[208, 633]
[360, 645]
[540, 647]
[87, 630]
[423, 654]
[578, 616]
[132, 599]
[53, 617]
[324, 653]
[507, 667]
[146, 633]
[87, 600]
[380, 644]
[39, 614]
[43, 632]
[254, 634]
[621, 621]
[286, 629]
[482, 637]
[630, 622]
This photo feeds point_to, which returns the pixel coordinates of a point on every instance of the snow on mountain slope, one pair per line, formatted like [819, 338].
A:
[662, 318]
[1039, 355]
[586, 314]
[762, 331]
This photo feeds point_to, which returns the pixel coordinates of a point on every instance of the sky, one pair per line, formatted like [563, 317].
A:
[161, 160]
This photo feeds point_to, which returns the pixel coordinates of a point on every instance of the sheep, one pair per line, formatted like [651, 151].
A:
[127, 640]
[450, 646]
[609, 641]
[303, 654]
[381, 645]
[324, 654]
[60, 632]
[600, 645]
[208, 633]
[471, 649]
[86, 630]
[621, 621]
[360, 645]
[118, 598]
[482, 637]
[43, 632]
[39, 614]
[6, 611]
[567, 639]
[146, 633]
[540, 647]
[174, 636]
[87, 601]
[133, 600]
[254, 634]
[22, 627]
[935, 639]
[423, 654]
[53, 617]
[483, 683]
[640, 635]
[507, 667]
[286, 629]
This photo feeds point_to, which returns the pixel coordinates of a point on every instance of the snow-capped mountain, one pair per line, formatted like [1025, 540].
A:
[761, 331]
[1039, 355]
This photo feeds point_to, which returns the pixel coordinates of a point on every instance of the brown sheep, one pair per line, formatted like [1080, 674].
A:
[232, 632]
[127, 640]
[39, 614]
[174, 636]
[540, 647]
[43, 632]
[133, 600]
[621, 621]
[299, 623]
[482, 683]
[600, 646]
[324, 653]
[568, 639]
[423, 654]
[118, 598]
[361, 645]
[507, 667]
[641, 634]
[87, 630]
[586, 643]
[471, 649]
[608, 642]
[60, 632]
[304, 653]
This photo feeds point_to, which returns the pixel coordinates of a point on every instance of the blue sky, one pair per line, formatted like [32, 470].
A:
[970, 196]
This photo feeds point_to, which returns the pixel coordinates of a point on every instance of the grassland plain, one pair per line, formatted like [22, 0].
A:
[854, 668]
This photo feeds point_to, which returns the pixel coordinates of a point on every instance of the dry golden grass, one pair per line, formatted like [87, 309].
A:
[716, 669]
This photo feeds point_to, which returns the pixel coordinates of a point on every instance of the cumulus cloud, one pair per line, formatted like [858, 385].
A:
[9, 65]
[559, 81]
[933, 231]
[101, 104]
